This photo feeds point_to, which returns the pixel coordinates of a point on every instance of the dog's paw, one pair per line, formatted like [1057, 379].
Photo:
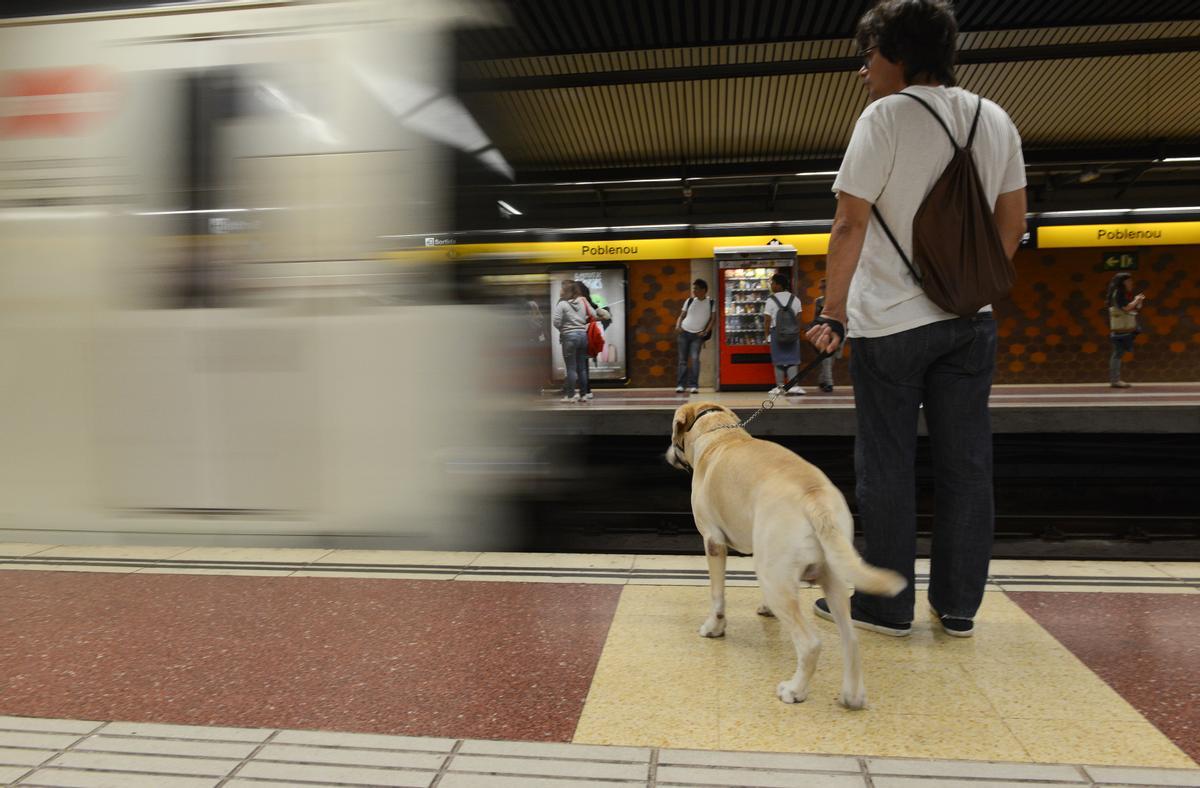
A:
[789, 694]
[855, 700]
[763, 610]
[713, 628]
[853, 697]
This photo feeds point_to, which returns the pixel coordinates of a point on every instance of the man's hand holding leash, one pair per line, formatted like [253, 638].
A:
[827, 334]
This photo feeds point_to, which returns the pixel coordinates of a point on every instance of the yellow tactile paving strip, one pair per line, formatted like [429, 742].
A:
[1011, 693]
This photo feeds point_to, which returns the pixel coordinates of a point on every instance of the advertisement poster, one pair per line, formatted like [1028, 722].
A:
[607, 286]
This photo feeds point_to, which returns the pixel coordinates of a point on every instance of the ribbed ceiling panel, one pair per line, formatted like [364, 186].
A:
[806, 50]
[1098, 101]
[667, 123]
[1085, 102]
[555, 27]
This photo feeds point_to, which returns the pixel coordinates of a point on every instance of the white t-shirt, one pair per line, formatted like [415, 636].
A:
[696, 315]
[896, 153]
[771, 309]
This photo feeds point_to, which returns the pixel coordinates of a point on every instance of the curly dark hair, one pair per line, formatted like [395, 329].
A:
[921, 34]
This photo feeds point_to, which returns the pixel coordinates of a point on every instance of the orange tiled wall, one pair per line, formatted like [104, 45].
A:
[657, 290]
[1055, 327]
[1053, 330]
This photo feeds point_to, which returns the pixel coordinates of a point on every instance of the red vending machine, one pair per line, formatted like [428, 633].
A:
[743, 280]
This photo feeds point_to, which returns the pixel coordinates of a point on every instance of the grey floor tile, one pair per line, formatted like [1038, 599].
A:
[74, 778]
[365, 741]
[207, 733]
[525, 781]
[238, 782]
[394, 759]
[148, 746]
[957, 782]
[534, 749]
[592, 770]
[13, 756]
[759, 760]
[973, 769]
[125, 762]
[341, 775]
[1116, 774]
[47, 725]
[698, 775]
[45, 741]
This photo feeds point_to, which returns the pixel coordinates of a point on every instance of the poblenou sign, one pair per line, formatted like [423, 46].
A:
[616, 250]
[1132, 234]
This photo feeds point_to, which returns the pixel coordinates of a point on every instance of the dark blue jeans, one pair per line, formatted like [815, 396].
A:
[946, 366]
[689, 354]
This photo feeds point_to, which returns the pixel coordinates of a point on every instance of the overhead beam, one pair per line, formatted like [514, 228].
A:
[701, 175]
[1091, 49]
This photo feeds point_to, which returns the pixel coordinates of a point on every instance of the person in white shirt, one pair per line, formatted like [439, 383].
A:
[785, 356]
[693, 326]
[907, 352]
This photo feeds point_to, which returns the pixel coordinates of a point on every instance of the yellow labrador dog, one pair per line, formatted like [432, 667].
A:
[758, 497]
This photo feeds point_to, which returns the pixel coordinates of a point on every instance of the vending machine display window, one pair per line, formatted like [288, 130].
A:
[745, 286]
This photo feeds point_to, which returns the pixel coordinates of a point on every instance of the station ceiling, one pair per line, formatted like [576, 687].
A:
[733, 98]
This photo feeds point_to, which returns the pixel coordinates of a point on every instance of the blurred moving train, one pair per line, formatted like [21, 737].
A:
[199, 338]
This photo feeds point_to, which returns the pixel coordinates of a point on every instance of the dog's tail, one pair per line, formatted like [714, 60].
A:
[845, 561]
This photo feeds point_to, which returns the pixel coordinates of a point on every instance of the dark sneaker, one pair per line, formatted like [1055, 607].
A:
[955, 627]
[864, 621]
[827, 387]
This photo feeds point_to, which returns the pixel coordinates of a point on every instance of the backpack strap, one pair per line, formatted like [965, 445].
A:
[688, 304]
[936, 117]
[775, 298]
[895, 243]
[942, 123]
[791, 299]
[975, 123]
[970, 141]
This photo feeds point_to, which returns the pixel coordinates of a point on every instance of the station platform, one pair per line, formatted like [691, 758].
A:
[1075, 408]
[211, 666]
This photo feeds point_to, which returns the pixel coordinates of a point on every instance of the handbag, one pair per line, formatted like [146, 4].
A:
[595, 334]
[1120, 321]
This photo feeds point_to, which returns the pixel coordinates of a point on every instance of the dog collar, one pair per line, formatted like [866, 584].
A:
[703, 413]
[679, 446]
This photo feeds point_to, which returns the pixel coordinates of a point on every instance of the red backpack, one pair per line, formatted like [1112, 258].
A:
[595, 334]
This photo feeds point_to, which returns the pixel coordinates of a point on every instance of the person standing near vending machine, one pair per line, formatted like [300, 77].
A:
[785, 338]
[694, 327]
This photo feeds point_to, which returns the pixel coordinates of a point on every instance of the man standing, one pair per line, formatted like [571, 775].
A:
[693, 326]
[826, 375]
[908, 352]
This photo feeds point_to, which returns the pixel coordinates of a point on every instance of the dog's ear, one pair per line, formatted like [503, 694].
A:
[684, 416]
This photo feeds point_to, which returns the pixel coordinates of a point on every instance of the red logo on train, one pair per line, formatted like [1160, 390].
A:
[54, 102]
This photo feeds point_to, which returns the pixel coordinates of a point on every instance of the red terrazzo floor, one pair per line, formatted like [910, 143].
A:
[1146, 646]
[413, 657]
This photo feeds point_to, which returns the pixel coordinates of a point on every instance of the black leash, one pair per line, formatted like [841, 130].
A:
[769, 402]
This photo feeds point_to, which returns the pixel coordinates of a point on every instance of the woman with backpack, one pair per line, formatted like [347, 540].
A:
[1123, 307]
[781, 322]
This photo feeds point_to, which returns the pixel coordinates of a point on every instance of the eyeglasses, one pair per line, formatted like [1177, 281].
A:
[866, 55]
